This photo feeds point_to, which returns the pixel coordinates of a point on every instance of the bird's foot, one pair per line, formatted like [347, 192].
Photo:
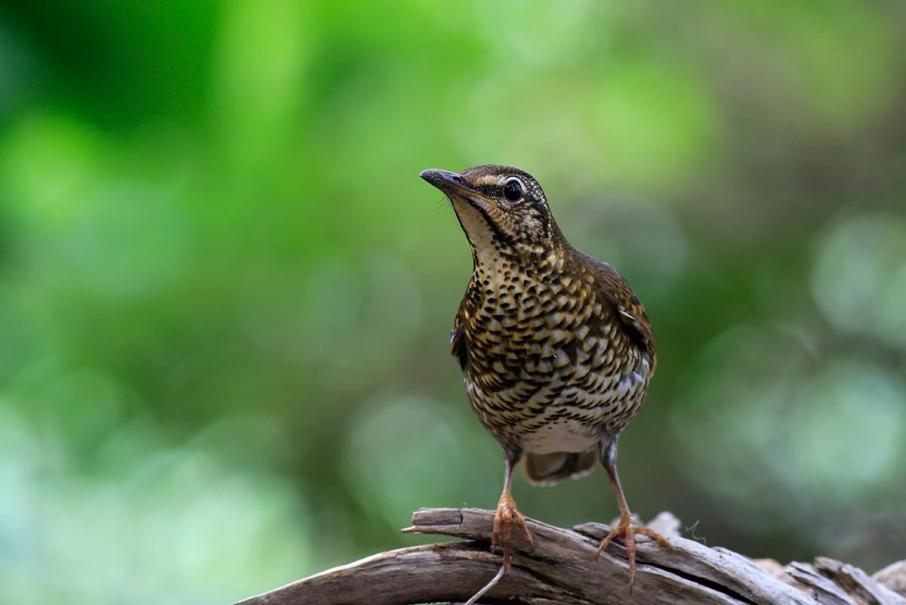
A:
[503, 524]
[626, 531]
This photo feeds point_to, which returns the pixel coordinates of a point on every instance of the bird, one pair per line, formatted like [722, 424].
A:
[555, 348]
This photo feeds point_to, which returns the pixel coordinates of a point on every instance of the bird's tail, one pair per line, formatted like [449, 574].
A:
[547, 469]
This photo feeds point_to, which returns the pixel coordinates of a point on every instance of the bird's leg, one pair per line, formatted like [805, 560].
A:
[503, 520]
[507, 514]
[625, 529]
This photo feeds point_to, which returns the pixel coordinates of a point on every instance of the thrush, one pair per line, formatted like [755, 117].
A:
[555, 348]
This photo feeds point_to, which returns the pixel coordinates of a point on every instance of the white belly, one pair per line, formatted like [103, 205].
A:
[562, 435]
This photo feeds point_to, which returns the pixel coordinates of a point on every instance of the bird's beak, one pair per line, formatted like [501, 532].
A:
[446, 181]
[472, 208]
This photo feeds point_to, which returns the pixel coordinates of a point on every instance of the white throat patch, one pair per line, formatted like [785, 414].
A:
[480, 234]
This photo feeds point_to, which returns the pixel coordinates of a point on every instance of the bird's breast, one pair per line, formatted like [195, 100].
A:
[546, 359]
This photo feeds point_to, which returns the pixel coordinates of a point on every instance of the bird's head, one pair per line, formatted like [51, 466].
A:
[502, 211]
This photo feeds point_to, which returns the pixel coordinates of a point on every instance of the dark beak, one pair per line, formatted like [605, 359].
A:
[446, 181]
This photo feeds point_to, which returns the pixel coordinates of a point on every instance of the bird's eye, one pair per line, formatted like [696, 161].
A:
[513, 190]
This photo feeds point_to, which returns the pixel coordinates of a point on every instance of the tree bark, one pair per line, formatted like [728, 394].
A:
[561, 568]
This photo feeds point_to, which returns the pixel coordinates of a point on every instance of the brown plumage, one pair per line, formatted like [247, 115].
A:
[555, 348]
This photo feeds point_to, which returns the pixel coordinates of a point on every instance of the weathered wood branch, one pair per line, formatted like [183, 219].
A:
[561, 568]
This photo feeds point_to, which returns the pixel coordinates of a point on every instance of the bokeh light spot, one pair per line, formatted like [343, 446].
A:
[859, 276]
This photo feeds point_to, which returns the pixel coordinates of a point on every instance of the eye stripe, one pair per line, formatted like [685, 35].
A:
[489, 180]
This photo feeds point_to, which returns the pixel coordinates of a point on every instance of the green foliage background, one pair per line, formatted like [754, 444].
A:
[225, 293]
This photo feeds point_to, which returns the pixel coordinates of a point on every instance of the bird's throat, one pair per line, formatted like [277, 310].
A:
[485, 238]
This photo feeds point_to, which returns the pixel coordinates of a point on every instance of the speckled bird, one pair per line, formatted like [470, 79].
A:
[555, 348]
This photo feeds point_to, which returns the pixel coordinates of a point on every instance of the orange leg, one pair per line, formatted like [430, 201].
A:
[506, 516]
[625, 530]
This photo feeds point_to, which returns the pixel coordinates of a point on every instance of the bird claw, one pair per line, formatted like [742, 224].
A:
[504, 518]
[626, 531]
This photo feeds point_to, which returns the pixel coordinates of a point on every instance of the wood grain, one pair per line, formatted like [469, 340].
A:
[561, 568]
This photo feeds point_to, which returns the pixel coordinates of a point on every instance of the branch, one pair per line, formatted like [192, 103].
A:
[561, 569]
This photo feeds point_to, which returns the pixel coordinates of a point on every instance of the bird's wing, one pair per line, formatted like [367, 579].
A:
[458, 344]
[626, 307]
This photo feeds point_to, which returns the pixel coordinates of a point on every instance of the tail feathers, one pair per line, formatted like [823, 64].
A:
[547, 469]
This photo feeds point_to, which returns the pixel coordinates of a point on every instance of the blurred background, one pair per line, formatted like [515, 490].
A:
[225, 294]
